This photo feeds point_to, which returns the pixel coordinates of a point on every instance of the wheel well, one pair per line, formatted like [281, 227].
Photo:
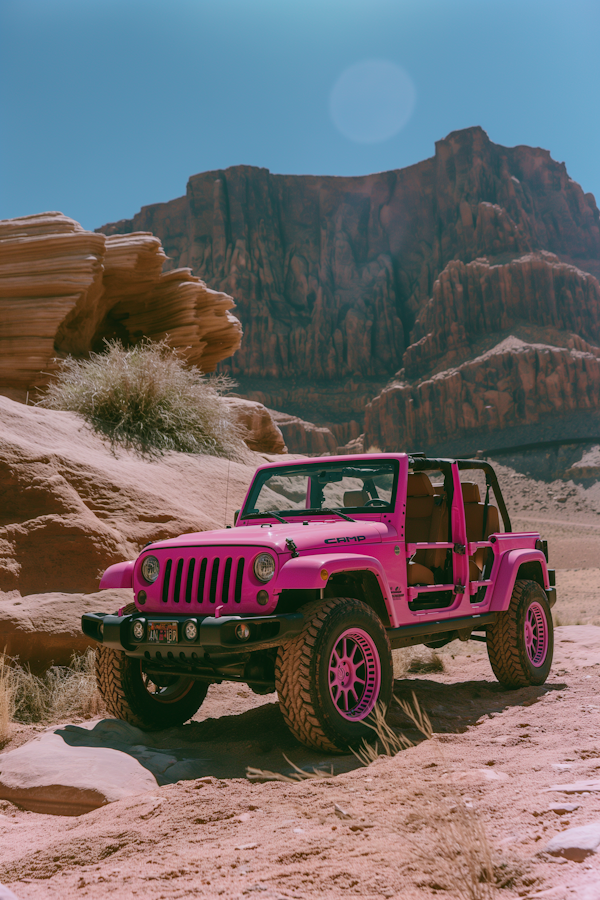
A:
[362, 586]
[532, 571]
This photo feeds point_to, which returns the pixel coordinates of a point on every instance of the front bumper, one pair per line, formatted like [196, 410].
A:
[215, 635]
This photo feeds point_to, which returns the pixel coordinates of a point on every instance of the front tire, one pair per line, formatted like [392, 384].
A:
[520, 643]
[330, 678]
[131, 695]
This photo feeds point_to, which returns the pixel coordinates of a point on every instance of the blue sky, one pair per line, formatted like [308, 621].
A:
[108, 105]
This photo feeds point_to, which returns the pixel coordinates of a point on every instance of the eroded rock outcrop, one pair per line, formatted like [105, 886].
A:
[514, 394]
[71, 507]
[63, 289]
[345, 281]
[258, 428]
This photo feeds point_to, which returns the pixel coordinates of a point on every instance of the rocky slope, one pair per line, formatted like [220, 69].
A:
[71, 506]
[64, 289]
[343, 282]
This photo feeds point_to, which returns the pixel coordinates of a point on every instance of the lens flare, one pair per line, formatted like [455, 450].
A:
[372, 100]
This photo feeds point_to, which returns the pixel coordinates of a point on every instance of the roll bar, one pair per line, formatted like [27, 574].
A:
[421, 463]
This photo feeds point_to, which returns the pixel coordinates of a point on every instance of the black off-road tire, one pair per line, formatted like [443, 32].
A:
[302, 667]
[123, 687]
[506, 641]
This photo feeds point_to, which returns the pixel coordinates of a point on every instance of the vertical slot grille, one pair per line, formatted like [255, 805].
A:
[238, 580]
[213, 580]
[226, 579]
[166, 580]
[202, 580]
[178, 573]
[189, 581]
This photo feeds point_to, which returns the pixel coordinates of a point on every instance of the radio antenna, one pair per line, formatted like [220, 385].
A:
[227, 493]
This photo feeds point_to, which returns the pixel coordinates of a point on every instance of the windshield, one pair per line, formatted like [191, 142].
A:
[368, 486]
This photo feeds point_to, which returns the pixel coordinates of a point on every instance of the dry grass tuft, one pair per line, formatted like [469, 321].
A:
[7, 705]
[63, 692]
[462, 856]
[298, 775]
[392, 742]
[417, 661]
[145, 398]
[429, 665]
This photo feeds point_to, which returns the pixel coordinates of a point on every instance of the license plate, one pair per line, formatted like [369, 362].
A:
[162, 632]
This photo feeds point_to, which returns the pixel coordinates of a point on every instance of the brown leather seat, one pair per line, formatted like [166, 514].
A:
[418, 574]
[355, 498]
[420, 505]
[474, 516]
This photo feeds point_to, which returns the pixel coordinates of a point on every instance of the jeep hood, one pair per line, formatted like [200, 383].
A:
[314, 536]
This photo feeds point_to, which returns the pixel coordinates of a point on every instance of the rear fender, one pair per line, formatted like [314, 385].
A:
[118, 576]
[508, 573]
[313, 573]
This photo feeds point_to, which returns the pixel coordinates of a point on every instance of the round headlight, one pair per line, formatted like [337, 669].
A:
[264, 567]
[150, 569]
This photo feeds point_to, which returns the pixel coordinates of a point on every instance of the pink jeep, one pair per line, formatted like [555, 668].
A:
[331, 564]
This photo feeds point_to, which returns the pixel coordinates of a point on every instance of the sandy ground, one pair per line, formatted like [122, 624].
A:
[388, 830]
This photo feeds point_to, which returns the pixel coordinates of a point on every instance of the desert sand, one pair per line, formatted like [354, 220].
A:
[524, 765]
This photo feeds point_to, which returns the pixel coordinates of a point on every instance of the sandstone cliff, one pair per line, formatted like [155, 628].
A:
[63, 289]
[342, 282]
[514, 394]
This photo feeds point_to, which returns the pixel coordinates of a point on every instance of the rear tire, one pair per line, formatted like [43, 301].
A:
[520, 643]
[131, 695]
[330, 678]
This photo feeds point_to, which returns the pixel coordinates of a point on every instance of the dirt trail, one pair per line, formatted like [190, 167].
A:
[499, 751]
[368, 832]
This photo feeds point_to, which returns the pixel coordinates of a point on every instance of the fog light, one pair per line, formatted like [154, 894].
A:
[262, 597]
[242, 632]
[190, 631]
[141, 597]
[137, 629]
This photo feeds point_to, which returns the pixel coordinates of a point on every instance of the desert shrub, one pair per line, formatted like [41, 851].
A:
[60, 693]
[146, 398]
[430, 664]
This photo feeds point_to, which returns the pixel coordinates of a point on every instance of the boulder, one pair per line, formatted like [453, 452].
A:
[63, 290]
[51, 775]
[575, 843]
[42, 630]
[305, 437]
[258, 429]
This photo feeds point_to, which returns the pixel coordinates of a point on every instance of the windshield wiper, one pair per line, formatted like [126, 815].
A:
[336, 512]
[275, 515]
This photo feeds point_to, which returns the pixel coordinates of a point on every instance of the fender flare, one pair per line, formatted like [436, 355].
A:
[507, 575]
[118, 576]
[313, 573]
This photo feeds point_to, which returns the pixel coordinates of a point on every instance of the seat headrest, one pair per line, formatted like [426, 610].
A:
[419, 485]
[355, 498]
[470, 492]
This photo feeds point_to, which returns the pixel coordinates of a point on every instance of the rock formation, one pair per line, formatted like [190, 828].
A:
[70, 507]
[63, 289]
[517, 393]
[258, 428]
[343, 282]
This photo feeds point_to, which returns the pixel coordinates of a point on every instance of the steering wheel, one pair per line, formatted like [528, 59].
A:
[376, 501]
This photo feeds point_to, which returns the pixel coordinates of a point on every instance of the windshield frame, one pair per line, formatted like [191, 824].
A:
[263, 475]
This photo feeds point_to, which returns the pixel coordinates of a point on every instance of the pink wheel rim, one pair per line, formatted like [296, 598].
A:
[354, 674]
[536, 634]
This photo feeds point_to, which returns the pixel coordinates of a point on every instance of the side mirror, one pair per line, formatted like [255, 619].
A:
[235, 516]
